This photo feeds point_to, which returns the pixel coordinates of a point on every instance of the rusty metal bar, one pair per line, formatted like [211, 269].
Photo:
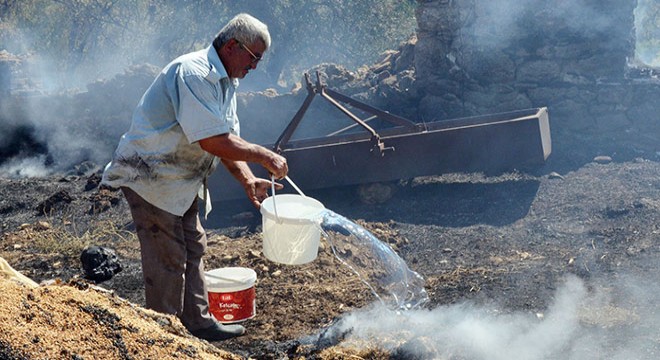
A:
[321, 90]
[288, 131]
[377, 146]
[397, 120]
[349, 114]
[351, 126]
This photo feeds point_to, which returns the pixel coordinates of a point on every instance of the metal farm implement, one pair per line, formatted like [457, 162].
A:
[404, 150]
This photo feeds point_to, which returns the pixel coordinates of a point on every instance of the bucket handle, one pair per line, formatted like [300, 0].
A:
[294, 186]
[272, 189]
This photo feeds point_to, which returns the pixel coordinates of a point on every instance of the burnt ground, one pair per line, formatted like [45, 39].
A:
[507, 242]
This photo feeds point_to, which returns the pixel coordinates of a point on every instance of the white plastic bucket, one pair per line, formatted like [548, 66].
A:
[290, 235]
[231, 293]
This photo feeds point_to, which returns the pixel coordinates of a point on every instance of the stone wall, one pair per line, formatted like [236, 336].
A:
[488, 56]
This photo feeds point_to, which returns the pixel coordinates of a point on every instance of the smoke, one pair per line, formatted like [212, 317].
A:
[23, 153]
[76, 131]
[504, 21]
[52, 105]
[25, 167]
[610, 319]
[44, 135]
[646, 34]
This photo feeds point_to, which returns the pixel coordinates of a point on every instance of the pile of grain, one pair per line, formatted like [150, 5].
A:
[77, 321]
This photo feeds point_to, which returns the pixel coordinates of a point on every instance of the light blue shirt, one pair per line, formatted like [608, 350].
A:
[159, 157]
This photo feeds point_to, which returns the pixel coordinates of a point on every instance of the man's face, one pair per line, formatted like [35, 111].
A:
[243, 57]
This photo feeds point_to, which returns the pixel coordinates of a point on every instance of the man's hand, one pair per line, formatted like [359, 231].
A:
[276, 165]
[257, 190]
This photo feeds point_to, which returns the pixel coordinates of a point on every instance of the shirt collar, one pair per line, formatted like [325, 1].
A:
[218, 70]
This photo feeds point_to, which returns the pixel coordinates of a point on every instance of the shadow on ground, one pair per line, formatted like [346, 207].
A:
[440, 204]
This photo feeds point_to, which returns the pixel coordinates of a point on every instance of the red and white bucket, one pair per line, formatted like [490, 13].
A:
[231, 294]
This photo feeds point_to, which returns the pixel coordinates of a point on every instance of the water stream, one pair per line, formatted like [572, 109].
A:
[384, 272]
[380, 268]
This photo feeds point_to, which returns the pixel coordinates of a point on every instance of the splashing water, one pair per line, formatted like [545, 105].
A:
[376, 264]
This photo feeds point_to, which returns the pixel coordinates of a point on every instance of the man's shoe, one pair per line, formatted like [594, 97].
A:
[218, 332]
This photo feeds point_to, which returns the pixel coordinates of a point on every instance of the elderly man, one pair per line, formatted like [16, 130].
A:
[183, 126]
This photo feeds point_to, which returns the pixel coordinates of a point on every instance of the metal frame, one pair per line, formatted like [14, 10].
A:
[483, 143]
[334, 98]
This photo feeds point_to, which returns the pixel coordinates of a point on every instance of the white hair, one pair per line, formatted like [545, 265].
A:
[244, 28]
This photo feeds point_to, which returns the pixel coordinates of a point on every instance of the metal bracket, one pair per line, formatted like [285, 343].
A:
[379, 147]
[333, 98]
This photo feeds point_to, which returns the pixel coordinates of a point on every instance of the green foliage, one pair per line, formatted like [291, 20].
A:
[95, 38]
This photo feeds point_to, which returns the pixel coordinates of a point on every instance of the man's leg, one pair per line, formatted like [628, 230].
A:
[195, 303]
[163, 252]
[172, 248]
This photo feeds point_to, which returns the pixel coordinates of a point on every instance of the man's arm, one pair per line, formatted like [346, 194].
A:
[255, 188]
[239, 169]
[234, 148]
[235, 153]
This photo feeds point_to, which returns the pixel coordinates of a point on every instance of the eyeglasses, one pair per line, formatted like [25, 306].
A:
[255, 58]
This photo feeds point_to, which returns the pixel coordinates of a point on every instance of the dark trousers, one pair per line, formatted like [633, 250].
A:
[172, 248]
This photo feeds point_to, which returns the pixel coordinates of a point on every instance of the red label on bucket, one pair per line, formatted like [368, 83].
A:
[229, 307]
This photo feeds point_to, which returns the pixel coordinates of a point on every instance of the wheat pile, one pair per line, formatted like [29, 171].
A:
[78, 321]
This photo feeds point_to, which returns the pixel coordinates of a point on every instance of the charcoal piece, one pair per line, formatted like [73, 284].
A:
[100, 263]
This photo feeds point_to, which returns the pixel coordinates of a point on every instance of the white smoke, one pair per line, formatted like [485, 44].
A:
[503, 21]
[613, 321]
[25, 168]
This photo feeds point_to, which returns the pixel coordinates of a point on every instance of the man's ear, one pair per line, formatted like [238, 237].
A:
[228, 48]
[232, 45]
